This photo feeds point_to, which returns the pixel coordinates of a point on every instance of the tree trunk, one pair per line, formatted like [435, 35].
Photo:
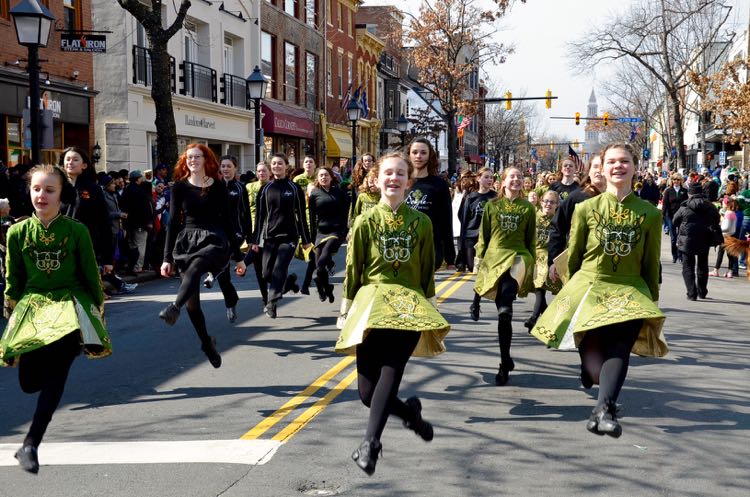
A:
[679, 131]
[450, 121]
[161, 92]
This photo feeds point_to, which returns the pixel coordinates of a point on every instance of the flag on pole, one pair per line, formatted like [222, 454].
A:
[465, 122]
[347, 97]
[363, 104]
[576, 160]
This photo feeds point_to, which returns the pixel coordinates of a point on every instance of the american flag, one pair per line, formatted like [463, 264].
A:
[347, 97]
[465, 122]
[577, 160]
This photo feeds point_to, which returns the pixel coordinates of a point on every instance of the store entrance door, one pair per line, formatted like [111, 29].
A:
[217, 149]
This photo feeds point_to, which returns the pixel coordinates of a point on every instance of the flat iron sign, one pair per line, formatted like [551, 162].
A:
[77, 42]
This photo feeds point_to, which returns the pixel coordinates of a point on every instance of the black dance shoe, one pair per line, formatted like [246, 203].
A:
[209, 348]
[209, 281]
[27, 458]
[366, 456]
[232, 314]
[474, 312]
[321, 290]
[270, 310]
[603, 421]
[501, 378]
[530, 323]
[291, 283]
[329, 293]
[331, 267]
[170, 314]
[417, 424]
[305, 290]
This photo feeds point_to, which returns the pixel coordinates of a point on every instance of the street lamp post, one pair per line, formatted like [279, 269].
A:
[96, 154]
[33, 22]
[256, 89]
[402, 124]
[353, 112]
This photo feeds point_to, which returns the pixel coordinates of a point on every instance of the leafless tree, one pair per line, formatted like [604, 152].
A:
[667, 38]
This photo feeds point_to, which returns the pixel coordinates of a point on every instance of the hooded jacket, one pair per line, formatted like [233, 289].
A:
[692, 222]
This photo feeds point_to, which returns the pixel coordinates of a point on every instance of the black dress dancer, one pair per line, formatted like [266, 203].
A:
[202, 245]
[329, 208]
[280, 223]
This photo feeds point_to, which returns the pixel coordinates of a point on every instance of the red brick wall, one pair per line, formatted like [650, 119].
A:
[341, 39]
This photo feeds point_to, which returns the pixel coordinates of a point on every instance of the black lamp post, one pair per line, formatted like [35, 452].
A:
[256, 89]
[402, 124]
[33, 23]
[96, 154]
[353, 111]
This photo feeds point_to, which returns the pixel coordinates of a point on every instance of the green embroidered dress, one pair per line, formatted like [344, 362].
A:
[365, 202]
[53, 276]
[613, 257]
[541, 269]
[506, 243]
[390, 277]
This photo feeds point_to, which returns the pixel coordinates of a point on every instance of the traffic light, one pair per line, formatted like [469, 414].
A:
[578, 118]
[508, 101]
[606, 118]
[548, 100]
[575, 145]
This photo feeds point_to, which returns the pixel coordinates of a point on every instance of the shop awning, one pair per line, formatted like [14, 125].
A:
[475, 159]
[339, 143]
[279, 119]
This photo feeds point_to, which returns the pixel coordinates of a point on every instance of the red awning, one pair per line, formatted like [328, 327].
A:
[282, 120]
[475, 159]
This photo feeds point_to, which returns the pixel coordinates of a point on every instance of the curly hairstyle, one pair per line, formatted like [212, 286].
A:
[432, 160]
[210, 164]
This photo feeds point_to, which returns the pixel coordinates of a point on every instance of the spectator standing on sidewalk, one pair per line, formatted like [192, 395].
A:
[672, 199]
[115, 217]
[137, 203]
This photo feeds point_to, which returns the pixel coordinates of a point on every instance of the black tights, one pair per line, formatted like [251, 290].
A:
[189, 295]
[324, 256]
[45, 370]
[605, 356]
[227, 288]
[507, 288]
[256, 259]
[277, 255]
[468, 246]
[381, 360]
[540, 302]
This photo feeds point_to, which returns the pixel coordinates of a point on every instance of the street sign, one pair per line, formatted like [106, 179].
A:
[722, 158]
[629, 119]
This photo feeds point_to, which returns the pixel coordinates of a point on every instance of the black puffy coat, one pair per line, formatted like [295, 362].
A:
[692, 223]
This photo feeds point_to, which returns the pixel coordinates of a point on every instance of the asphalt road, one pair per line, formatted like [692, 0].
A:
[686, 418]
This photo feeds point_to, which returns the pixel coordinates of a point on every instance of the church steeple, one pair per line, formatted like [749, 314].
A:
[592, 134]
[593, 108]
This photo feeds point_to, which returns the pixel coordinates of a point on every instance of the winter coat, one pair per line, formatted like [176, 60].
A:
[692, 222]
[672, 201]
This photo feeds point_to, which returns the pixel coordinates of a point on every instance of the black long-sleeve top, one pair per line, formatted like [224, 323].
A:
[560, 226]
[203, 208]
[472, 208]
[432, 196]
[239, 211]
[280, 213]
[91, 210]
[564, 190]
[328, 211]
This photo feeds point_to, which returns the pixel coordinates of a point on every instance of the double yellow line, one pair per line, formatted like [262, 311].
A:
[292, 404]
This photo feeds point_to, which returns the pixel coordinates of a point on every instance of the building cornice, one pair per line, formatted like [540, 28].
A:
[194, 104]
[370, 43]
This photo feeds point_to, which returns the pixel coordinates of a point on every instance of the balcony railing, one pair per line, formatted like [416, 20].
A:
[198, 81]
[143, 70]
[234, 91]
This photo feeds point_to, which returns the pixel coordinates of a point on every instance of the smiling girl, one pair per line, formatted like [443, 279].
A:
[386, 316]
[52, 271]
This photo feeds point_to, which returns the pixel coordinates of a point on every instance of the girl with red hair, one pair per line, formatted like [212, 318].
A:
[204, 243]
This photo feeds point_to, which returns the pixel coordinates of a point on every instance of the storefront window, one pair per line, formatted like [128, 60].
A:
[290, 150]
[14, 132]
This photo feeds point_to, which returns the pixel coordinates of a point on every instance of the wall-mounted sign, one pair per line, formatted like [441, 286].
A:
[199, 122]
[77, 42]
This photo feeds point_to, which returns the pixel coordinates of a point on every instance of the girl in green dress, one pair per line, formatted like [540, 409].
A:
[505, 253]
[608, 306]
[386, 316]
[55, 292]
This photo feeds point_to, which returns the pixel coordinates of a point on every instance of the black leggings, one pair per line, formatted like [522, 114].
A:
[540, 302]
[189, 295]
[381, 360]
[256, 259]
[277, 255]
[470, 251]
[323, 257]
[507, 288]
[45, 370]
[227, 288]
[605, 356]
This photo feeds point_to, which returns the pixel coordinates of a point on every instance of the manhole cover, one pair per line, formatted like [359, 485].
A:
[318, 488]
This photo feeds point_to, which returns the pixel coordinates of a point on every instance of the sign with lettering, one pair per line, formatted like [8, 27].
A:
[199, 122]
[80, 42]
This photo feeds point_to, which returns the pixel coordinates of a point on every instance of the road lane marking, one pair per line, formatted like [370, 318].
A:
[295, 401]
[446, 281]
[312, 411]
[455, 287]
[249, 452]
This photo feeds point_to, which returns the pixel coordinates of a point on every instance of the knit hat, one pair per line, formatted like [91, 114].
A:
[135, 174]
[105, 181]
[695, 189]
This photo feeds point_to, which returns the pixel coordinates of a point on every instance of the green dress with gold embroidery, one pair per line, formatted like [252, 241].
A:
[54, 278]
[365, 202]
[389, 279]
[541, 270]
[506, 243]
[613, 260]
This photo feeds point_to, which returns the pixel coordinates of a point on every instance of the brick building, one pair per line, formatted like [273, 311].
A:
[67, 85]
[369, 49]
[293, 54]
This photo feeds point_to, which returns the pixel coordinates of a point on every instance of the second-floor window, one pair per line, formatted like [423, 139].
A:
[290, 72]
[72, 15]
[329, 75]
[311, 81]
[267, 60]
[290, 7]
[311, 10]
[191, 42]
[341, 75]
[228, 55]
